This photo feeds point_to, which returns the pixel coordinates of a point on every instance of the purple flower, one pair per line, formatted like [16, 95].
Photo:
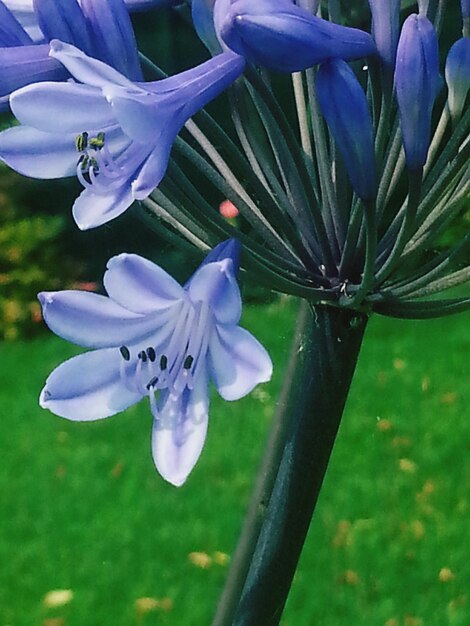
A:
[386, 28]
[282, 36]
[153, 338]
[101, 28]
[457, 75]
[417, 82]
[116, 135]
[344, 106]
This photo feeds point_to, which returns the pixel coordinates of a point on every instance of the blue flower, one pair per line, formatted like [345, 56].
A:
[116, 135]
[417, 82]
[281, 36]
[386, 29]
[457, 73]
[153, 338]
[101, 28]
[344, 106]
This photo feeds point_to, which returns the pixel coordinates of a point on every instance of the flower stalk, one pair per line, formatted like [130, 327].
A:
[330, 349]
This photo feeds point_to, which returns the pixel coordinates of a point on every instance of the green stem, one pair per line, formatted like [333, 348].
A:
[264, 480]
[330, 351]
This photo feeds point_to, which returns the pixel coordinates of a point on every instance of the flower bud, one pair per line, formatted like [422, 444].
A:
[202, 13]
[386, 28]
[344, 106]
[457, 74]
[417, 82]
[282, 36]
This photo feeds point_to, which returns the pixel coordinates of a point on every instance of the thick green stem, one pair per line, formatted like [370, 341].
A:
[330, 350]
[264, 480]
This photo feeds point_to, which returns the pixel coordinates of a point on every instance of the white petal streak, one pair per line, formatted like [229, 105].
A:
[86, 69]
[140, 285]
[215, 284]
[37, 154]
[238, 361]
[87, 387]
[62, 107]
[180, 431]
[94, 321]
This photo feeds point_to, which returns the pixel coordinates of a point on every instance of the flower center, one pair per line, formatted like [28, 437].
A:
[174, 359]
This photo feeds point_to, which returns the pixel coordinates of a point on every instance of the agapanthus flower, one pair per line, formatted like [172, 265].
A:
[102, 29]
[386, 29]
[153, 338]
[457, 75]
[114, 134]
[344, 106]
[417, 82]
[284, 37]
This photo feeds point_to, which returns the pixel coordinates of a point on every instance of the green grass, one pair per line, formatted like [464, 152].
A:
[82, 508]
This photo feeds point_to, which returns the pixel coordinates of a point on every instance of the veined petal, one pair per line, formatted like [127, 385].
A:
[87, 387]
[215, 284]
[114, 36]
[39, 155]
[22, 65]
[94, 321]
[62, 107]
[238, 362]
[153, 169]
[140, 285]
[64, 20]
[180, 431]
[85, 69]
[139, 119]
[91, 209]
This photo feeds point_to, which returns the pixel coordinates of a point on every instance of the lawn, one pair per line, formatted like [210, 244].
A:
[82, 508]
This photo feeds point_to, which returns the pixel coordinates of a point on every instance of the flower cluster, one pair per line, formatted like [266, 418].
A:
[342, 207]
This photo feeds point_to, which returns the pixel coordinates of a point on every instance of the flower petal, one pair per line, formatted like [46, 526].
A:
[238, 362]
[139, 285]
[39, 155]
[87, 387]
[94, 321]
[91, 209]
[64, 20]
[22, 65]
[62, 107]
[86, 69]
[11, 31]
[114, 36]
[215, 284]
[180, 431]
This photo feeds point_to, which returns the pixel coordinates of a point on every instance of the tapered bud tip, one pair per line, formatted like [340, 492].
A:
[457, 73]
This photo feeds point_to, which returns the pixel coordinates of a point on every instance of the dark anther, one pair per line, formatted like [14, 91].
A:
[152, 383]
[142, 355]
[163, 362]
[151, 354]
[126, 355]
[188, 362]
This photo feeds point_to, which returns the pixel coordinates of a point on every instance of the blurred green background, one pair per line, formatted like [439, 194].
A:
[90, 535]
